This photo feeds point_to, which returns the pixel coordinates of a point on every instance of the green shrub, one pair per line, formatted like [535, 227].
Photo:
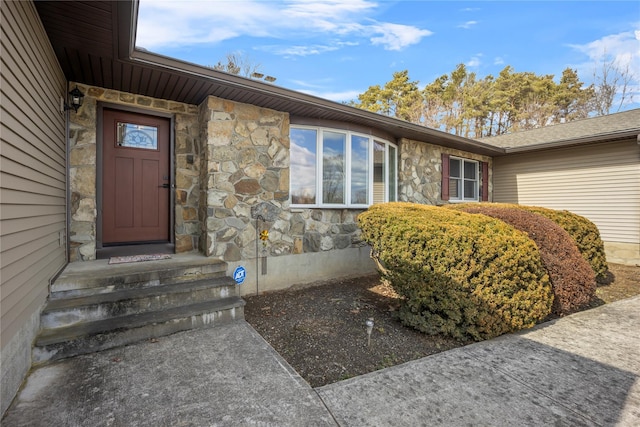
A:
[584, 233]
[572, 279]
[459, 274]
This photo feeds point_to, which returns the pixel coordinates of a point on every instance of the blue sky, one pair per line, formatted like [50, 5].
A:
[336, 49]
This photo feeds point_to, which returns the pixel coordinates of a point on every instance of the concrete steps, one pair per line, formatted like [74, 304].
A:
[93, 309]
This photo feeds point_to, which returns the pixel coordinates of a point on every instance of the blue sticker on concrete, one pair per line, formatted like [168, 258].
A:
[239, 274]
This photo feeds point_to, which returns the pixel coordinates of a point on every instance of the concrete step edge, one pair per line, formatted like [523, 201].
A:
[126, 278]
[214, 317]
[126, 294]
[67, 333]
[58, 293]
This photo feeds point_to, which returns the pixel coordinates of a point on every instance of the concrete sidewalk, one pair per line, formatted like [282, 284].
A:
[580, 370]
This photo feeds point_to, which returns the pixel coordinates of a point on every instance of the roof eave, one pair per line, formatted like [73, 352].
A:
[592, 139]
[127, 18]
[150, 59]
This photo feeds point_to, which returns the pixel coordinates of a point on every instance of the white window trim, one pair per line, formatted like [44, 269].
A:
[395, 168]
[348, 156]
[462, 179]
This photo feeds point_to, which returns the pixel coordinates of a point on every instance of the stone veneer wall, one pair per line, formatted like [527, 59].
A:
[229, 159]
[246, 165]
[82, 168]
[420, 171]
[247, 162]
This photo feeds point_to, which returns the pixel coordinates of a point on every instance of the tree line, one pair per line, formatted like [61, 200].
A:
[463, 104]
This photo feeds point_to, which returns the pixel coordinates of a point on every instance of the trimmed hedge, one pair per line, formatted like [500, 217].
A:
[460, 274]
[584, 233]
[572, 279]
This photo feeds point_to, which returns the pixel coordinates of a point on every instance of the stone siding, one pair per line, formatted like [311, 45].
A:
[231, 163]
[229, 158]
[82, 178]
[247, 165]
[420, 171]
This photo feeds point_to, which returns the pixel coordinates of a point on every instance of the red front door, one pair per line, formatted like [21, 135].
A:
[135, 178]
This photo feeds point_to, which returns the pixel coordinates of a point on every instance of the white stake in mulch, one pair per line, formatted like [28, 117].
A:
[369, 324]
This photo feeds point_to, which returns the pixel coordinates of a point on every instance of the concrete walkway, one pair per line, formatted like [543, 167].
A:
[582, 370]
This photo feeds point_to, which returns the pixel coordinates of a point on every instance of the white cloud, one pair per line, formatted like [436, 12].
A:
[622, 49]
[468, 24]
[303, 50]
[303, 156]
[343, 96]
[320, 89]
[498, 60]
[396, 36]
[309, 85]
[475, 61]
[172, 23]
[331, 16]
[304, 161]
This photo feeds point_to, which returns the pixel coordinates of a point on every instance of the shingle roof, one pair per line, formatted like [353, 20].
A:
[603, 127]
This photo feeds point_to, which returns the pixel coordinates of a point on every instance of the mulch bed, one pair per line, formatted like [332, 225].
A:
[320, 330]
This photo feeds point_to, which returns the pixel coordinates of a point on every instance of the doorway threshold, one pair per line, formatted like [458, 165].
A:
[141, 249]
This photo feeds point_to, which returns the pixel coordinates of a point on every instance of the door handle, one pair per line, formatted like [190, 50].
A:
[164, 186]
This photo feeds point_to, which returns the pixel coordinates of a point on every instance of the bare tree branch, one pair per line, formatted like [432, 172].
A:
[612, 83]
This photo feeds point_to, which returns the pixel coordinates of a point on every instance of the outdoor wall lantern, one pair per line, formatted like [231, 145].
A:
[75, 100]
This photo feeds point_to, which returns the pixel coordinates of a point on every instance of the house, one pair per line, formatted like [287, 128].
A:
[184, 158]
[590, 167]
[168, 156]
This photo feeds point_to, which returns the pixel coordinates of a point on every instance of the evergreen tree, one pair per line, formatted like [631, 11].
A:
[462, 104]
